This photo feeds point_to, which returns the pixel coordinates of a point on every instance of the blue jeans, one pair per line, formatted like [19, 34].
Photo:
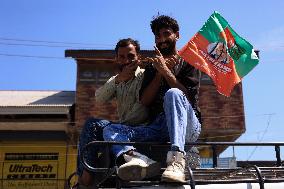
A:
[92, 131]
[178, 124]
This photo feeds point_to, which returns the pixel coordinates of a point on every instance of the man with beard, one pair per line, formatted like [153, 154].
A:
[170, 89]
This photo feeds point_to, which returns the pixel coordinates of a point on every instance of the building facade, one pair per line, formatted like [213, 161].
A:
[36, 130]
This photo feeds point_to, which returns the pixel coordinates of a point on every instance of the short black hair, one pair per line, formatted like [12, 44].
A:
[163, 21]
[126, 42]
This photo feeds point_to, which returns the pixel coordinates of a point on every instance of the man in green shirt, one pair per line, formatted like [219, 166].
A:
[125, 88]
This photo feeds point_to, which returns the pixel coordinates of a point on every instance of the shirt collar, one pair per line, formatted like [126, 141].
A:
[138, 70]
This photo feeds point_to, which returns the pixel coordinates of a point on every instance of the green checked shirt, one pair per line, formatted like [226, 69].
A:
[129, 109]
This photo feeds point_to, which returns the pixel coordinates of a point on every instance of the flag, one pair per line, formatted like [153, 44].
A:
[217, 50]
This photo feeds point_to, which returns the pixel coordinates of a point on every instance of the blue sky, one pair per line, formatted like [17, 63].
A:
[94, 24]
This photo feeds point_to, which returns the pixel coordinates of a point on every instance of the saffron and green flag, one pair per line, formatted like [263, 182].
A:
[221, 53]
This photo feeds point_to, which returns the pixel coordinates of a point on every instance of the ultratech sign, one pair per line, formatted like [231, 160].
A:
[33, 168]
[19, 166]
[30, 170]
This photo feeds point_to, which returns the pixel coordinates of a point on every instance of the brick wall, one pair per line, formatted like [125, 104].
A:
[222, 117]
[90, 76]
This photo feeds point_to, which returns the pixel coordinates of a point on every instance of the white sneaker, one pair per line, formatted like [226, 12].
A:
[138, 167]
[175, 169]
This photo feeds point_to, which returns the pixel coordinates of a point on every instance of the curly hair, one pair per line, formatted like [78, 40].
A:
[126, 42]
[163, 21]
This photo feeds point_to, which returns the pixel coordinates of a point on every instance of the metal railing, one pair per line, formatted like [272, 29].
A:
[200, 176]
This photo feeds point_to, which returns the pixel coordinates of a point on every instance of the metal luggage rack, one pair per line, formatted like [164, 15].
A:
[198, 176]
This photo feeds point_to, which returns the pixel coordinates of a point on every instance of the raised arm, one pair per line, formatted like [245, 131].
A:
[108, 90]
[163, 67]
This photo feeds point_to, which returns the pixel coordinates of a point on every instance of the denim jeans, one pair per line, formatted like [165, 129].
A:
[91, 131]
[178, 124]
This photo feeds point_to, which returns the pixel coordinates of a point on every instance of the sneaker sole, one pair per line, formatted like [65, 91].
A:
[136, 172]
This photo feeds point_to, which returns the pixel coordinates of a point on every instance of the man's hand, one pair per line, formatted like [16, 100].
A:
[127, 73]
[142, 63]
[163, 64]
[159, 62]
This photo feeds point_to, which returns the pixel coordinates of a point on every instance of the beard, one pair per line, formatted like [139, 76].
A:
[168, 50]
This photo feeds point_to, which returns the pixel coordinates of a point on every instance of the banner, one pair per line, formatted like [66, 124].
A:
[221, 53]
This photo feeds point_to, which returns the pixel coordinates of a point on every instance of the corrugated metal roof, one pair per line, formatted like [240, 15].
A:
[36, 102]
[36, 98]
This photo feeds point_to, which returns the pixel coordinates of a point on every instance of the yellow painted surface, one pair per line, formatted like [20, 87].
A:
[36, 164]
[205, 153]
[71, 163]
